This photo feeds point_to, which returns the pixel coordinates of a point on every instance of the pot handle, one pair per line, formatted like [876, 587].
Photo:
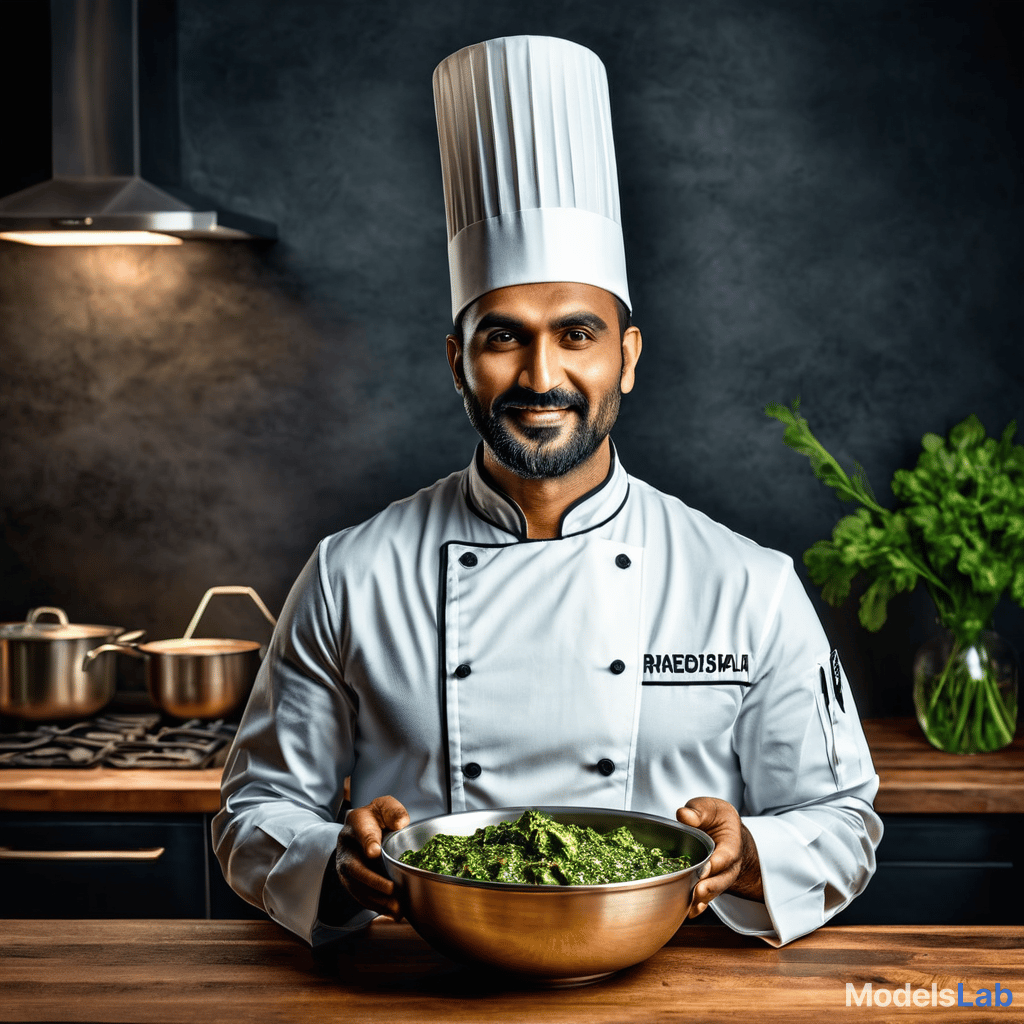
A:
[118, 648]
[62, 616]
[226, 590]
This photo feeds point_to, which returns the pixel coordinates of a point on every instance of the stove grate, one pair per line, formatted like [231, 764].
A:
[118, 741]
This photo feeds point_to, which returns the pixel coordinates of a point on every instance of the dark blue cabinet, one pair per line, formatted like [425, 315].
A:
[112, 866]
[945, 869]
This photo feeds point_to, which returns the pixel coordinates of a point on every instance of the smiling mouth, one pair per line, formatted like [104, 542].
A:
[535, 414]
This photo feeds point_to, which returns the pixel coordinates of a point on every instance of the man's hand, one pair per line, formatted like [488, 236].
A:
[357, 858]
[734, 865]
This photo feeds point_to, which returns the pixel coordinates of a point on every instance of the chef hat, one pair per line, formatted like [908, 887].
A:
[528, 165]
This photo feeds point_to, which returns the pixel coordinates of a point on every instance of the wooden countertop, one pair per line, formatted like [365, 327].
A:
[238, 971]
[147, 791]
[915, 778]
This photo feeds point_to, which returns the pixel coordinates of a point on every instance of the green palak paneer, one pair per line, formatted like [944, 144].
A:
[537, 850]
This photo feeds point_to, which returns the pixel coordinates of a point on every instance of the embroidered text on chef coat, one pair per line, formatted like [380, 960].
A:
[695, 669]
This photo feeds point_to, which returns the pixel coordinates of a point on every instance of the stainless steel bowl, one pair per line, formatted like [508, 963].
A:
[553, 934]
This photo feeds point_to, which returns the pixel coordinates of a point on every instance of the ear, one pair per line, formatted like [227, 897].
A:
[455, 360]
[632, 343]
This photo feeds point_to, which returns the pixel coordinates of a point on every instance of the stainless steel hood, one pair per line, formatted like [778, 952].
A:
[96, 186]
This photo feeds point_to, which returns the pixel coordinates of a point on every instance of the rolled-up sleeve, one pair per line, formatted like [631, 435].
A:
[808, 779]
[283, 783]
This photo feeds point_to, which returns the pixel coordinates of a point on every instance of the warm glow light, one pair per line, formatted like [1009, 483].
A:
[90, 238]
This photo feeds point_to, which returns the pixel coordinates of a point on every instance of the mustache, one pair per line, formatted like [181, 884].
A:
[558, 398]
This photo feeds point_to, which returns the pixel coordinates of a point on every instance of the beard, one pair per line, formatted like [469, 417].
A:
[534, 453]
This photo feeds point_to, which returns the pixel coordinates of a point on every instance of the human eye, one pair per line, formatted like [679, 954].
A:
[501, 338]
[577, 336]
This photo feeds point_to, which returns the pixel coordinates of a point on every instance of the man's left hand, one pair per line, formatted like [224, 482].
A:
[734, 866]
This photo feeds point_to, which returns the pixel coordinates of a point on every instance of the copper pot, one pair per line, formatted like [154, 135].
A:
[197, 677]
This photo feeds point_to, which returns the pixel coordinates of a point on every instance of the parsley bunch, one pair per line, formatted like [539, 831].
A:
[959, 528]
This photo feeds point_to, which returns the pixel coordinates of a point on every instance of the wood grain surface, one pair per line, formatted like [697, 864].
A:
[146, 791]
[189, 971]
[914, 778]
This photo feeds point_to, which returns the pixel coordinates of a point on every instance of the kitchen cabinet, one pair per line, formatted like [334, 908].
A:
[945, 869]
[88, 866]
[112, 866]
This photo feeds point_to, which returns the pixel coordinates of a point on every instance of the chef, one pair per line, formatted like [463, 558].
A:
[541, 627]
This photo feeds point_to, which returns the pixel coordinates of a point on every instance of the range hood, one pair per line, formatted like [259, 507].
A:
[96, 194]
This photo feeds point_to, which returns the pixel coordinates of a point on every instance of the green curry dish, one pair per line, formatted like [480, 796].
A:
[537, 850]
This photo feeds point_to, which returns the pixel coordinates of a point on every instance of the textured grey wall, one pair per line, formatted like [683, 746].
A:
[820, 198]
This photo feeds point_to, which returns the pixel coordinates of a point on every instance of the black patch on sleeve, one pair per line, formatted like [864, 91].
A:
[837, 679]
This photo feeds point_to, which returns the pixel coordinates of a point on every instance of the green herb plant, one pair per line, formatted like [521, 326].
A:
[959, 530]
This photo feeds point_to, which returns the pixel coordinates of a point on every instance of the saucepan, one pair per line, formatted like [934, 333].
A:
[41, 673]
[197, 677]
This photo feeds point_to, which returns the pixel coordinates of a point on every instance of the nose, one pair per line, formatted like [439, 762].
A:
[541, 370]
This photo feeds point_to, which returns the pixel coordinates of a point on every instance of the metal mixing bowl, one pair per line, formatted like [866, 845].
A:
[554, 934]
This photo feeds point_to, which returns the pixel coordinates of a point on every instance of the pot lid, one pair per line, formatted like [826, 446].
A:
[62, 629]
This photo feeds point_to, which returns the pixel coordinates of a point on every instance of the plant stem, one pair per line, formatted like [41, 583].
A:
[965, 706]
[1000, 713]
[965, 711]
[946, 669]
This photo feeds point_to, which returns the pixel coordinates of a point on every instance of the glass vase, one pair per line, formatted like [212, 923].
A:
[966, 695]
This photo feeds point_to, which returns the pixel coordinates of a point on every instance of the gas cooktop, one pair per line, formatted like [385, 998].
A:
[119, 741]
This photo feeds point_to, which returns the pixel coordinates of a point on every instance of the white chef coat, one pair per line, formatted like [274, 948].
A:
[646, 656]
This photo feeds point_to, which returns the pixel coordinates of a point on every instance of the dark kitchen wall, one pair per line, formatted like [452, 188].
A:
[820, 198]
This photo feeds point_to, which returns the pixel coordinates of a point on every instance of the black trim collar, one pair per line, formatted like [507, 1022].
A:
[489, 502]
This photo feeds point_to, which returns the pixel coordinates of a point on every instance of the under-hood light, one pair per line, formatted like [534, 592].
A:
[90, 238]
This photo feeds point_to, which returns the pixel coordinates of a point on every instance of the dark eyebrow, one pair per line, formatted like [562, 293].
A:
[489, 320]
[579, 319]
[510, 323]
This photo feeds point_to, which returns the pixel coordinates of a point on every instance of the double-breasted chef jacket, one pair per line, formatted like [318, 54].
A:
[645, 656]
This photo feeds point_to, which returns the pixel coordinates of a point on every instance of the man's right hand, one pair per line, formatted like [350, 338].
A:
[357, 858]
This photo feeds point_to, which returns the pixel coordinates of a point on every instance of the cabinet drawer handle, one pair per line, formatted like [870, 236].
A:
[149, 853]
